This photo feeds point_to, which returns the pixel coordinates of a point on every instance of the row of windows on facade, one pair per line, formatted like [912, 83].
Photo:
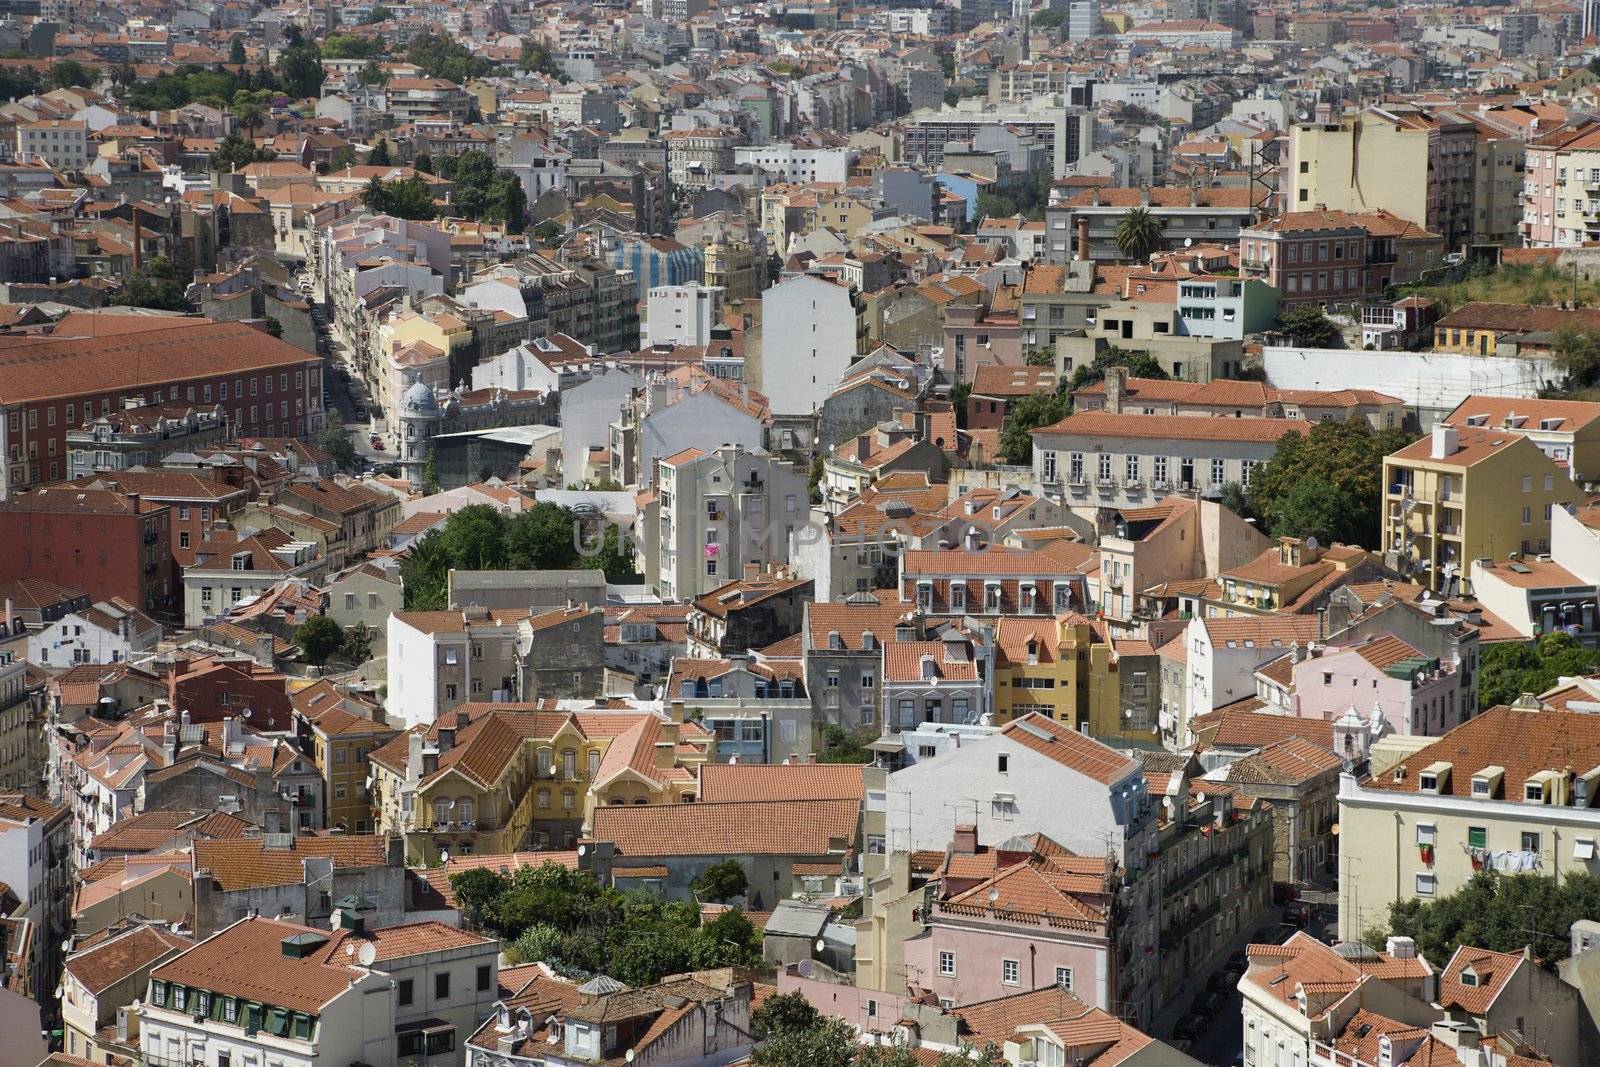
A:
[1133, 468]
[156, 396]
[1010, 973]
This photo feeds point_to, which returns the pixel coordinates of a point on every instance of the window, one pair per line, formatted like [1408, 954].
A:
[1010, 972]
[441, 986]
[483, 977]
[1064, 978]
[1530, 841]
[1425, 833]
[180, 997]
[947, 965]
[1004, 763]
[1105, 467]
[1218, 471]
[1477, 837]
[1426, 883]
[403, 992]
[230, 1010]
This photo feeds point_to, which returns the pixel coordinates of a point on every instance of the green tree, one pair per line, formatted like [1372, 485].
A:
[1233, 497]
[537, 58]
[476, 538]
[352, 46]
[720, 882]
[334, 439]
[845, 746]
[1139, 365]
[832, 1042]
[18, 81]
[344, 156]
[1313, 507]
[371, 74]
[958, 401]
[430, 473]
[1138, 234]
[616, 557]
[422, 163]
[234, 152]
[542, 538]
[441, 56]
[1507, 669]
[1027, 415]
[250, 107]
[1493, 911]
[300, 67]
[478, 891]
[783, 1013]
[1346, 455]
[407, 198]
[814, 480]
[318, 637]
[274, 328]
[157, 284]
[357, 648]
[381, 155]
[70, 74]
[424, 571]
[1577, 352]
[548, 233]
[236, 50]
[1308, 327]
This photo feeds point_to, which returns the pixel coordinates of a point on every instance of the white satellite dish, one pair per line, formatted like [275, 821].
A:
[349, 950]
[1188, 242]
[994, 895]
[583, 850]
[368, 954]
[1311, 542]
[628, 1055]
[821, 944]
[444, 855]
[447, 803]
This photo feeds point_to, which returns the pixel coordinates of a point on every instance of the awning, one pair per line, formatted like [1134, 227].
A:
[1583, 848]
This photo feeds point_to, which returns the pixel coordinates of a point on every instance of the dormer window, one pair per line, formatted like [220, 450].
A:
[1533, 792]
[1469, 977]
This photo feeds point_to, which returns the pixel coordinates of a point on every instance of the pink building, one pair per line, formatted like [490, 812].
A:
[1415, 693]
[975, 336]
[1011, 921]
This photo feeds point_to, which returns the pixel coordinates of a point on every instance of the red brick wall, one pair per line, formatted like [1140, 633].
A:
[103, 555]
[202, 697]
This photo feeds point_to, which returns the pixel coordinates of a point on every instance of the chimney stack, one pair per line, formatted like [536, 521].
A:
[966, 840]
[1083, 239]
[1446, 442]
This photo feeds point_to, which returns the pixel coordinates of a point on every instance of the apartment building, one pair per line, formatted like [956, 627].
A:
[1560, 180]
[992, 581]
[1180, 539]
[1406, 159]
[1193, 215]
[1468, 803]
[142, 436]
[682, 314]
[107, 543]
[1568, 431]
[442, 659]
[1058, 667]
[809, 339]
[408, 99]
[1294, 576]
[62, 143]
[1436, 515]
[35, 839]
[715, 513]
[339, 731]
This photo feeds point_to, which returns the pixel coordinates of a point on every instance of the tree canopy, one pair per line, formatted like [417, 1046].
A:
[441, 56]
[1308, 327]
[70, 74]
[1507, 669]
[300, 67]
[405, 198]
[191, 83]
[1328, 483]
[484, 191]
[480, 538]
[158, 283]
[319, 637]
[1138, 234]
[1139, 364]
[1577, 352]
[1499, 912]
[233, 152]
[1028, 414]
[352, 46]
[720, 882]
[566, 919]
[334, 439]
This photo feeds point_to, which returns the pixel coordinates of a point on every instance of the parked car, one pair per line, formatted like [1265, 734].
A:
[1284, 892]
[1298, 914]
[377, 442]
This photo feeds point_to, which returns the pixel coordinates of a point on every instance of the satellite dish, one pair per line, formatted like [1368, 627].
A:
[59, 991]
[628, 1055]
[349, 950]
[444, 855]
[1311, 542]
[821, 944]
[246, 713]
[994, 895]
[368, 953]
[583, 850]
[447, 803]
[1188, 242]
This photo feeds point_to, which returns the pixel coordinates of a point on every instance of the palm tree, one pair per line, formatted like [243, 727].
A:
[1138, 233]
[250, 108]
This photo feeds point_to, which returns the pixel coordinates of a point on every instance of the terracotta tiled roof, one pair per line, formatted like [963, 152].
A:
[248, 863]
[797, 782]
[247, 960]
[1244, 725]
[1288, 762]
[1173, 427]
[738, 828]
[111, 961]
[1070, 748]
[1493, 970]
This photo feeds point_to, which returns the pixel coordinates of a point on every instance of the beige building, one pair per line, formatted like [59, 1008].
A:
[62, 143]
[102, 981]
[1477, 492]
[1466, 803]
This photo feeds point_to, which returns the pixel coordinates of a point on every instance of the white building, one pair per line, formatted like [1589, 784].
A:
[1130, 459]
[109, 632]
[266, 992]
[35, 838]
[1222, 657]
[62, 143]
[714, 513]
[682, 314]
[438, 660]
[790, 163]
[808, 341]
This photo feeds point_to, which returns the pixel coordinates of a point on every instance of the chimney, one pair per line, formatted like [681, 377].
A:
[966, 840]
[1446, 442]
[447, 739]
[1401, 948]
[1083, 239]
[138, 256]
[1116, 388]
[863, 446]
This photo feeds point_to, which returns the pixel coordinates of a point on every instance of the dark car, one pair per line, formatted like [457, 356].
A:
[1298, 914]
[1188, 1028]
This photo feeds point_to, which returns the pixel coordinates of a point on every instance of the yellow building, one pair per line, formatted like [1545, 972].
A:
[338, 732]
[1468, 493]
[498, 778]
[1060, 667]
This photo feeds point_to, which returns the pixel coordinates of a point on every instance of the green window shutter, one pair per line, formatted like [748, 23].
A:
[1477, 837]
